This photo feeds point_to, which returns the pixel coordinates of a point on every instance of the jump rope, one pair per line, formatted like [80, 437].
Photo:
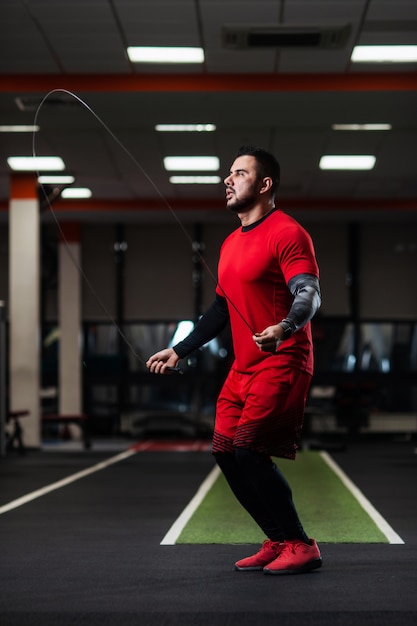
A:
[160, 195]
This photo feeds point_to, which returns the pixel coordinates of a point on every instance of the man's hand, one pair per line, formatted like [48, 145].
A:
[161, 362]
[269, 339]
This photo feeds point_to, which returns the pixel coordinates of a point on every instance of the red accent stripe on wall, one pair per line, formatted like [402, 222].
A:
[195, 204]
[360, 81]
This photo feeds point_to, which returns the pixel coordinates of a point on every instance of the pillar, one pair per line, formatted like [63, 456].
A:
[24, 306]
[69, 311]
[2, 378]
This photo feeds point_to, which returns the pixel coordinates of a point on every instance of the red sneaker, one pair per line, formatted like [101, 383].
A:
[295, 557]
[269, 552]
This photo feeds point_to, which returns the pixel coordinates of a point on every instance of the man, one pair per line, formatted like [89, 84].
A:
[268, 288]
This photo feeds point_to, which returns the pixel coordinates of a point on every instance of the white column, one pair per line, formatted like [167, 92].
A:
[69, 308]
[24, 308]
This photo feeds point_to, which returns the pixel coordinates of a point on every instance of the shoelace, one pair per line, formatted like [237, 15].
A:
[292, 547]
[277, 547]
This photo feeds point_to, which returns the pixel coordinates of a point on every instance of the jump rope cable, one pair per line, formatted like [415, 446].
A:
[158, 192]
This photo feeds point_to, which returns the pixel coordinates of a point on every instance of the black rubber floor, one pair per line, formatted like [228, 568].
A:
[89, 553]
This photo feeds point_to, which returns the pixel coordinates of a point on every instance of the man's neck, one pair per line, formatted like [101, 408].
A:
[255, 214]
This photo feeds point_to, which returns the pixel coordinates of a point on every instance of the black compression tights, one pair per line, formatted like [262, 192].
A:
[263, 491]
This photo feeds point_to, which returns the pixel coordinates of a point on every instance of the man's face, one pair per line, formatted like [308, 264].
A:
[242, 184]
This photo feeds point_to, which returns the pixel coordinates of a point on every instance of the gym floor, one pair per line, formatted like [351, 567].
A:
[89, 552]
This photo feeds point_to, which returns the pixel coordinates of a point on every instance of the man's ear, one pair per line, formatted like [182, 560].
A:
[266, 184]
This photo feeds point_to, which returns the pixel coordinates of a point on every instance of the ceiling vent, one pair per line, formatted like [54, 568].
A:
[241, 37]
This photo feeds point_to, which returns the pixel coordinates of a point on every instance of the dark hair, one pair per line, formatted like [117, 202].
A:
[268, 165]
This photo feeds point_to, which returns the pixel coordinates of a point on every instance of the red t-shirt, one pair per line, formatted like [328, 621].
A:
[255, 266]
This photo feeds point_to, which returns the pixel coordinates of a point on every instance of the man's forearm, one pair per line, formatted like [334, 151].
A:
[307, 300]
[212, 322]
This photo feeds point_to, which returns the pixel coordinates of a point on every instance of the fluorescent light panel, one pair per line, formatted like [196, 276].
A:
[347, 162]
[76, 192]
[354, 127]
[194, 180]
[35, 164]
[56, 180]
[18, 128]
[181, 128]
[384, 54]
[148, 54]
[191, 163]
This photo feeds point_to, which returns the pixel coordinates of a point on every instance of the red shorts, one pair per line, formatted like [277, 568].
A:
[262, 411]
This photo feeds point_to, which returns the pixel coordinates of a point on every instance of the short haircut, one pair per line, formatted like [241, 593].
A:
[267, 164]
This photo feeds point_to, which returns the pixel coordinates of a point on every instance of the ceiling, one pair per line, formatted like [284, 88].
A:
[284, 98]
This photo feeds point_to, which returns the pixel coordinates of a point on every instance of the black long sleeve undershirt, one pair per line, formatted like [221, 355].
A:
[210, 324]
[305, 289]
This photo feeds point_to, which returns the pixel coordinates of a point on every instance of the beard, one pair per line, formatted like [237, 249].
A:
[240, 205]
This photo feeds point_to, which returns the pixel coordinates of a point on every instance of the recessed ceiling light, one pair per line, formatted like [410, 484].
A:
[76, 192]
[193, 163]
[347, 162]
[384, 54]
[18, 128]
[149, 54]
[194, 180]
[56, 180]
[181, 128]
[35, 164]
[361, 126]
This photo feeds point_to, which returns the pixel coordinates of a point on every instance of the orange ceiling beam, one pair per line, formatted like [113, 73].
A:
[405, 81]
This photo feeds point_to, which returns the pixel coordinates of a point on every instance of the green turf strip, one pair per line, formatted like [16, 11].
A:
[329, 512]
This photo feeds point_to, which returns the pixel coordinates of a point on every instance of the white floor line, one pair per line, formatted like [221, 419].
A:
[177, 527]
[14, 504]
[382, 524]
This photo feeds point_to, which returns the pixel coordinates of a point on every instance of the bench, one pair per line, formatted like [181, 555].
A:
[80, 419]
